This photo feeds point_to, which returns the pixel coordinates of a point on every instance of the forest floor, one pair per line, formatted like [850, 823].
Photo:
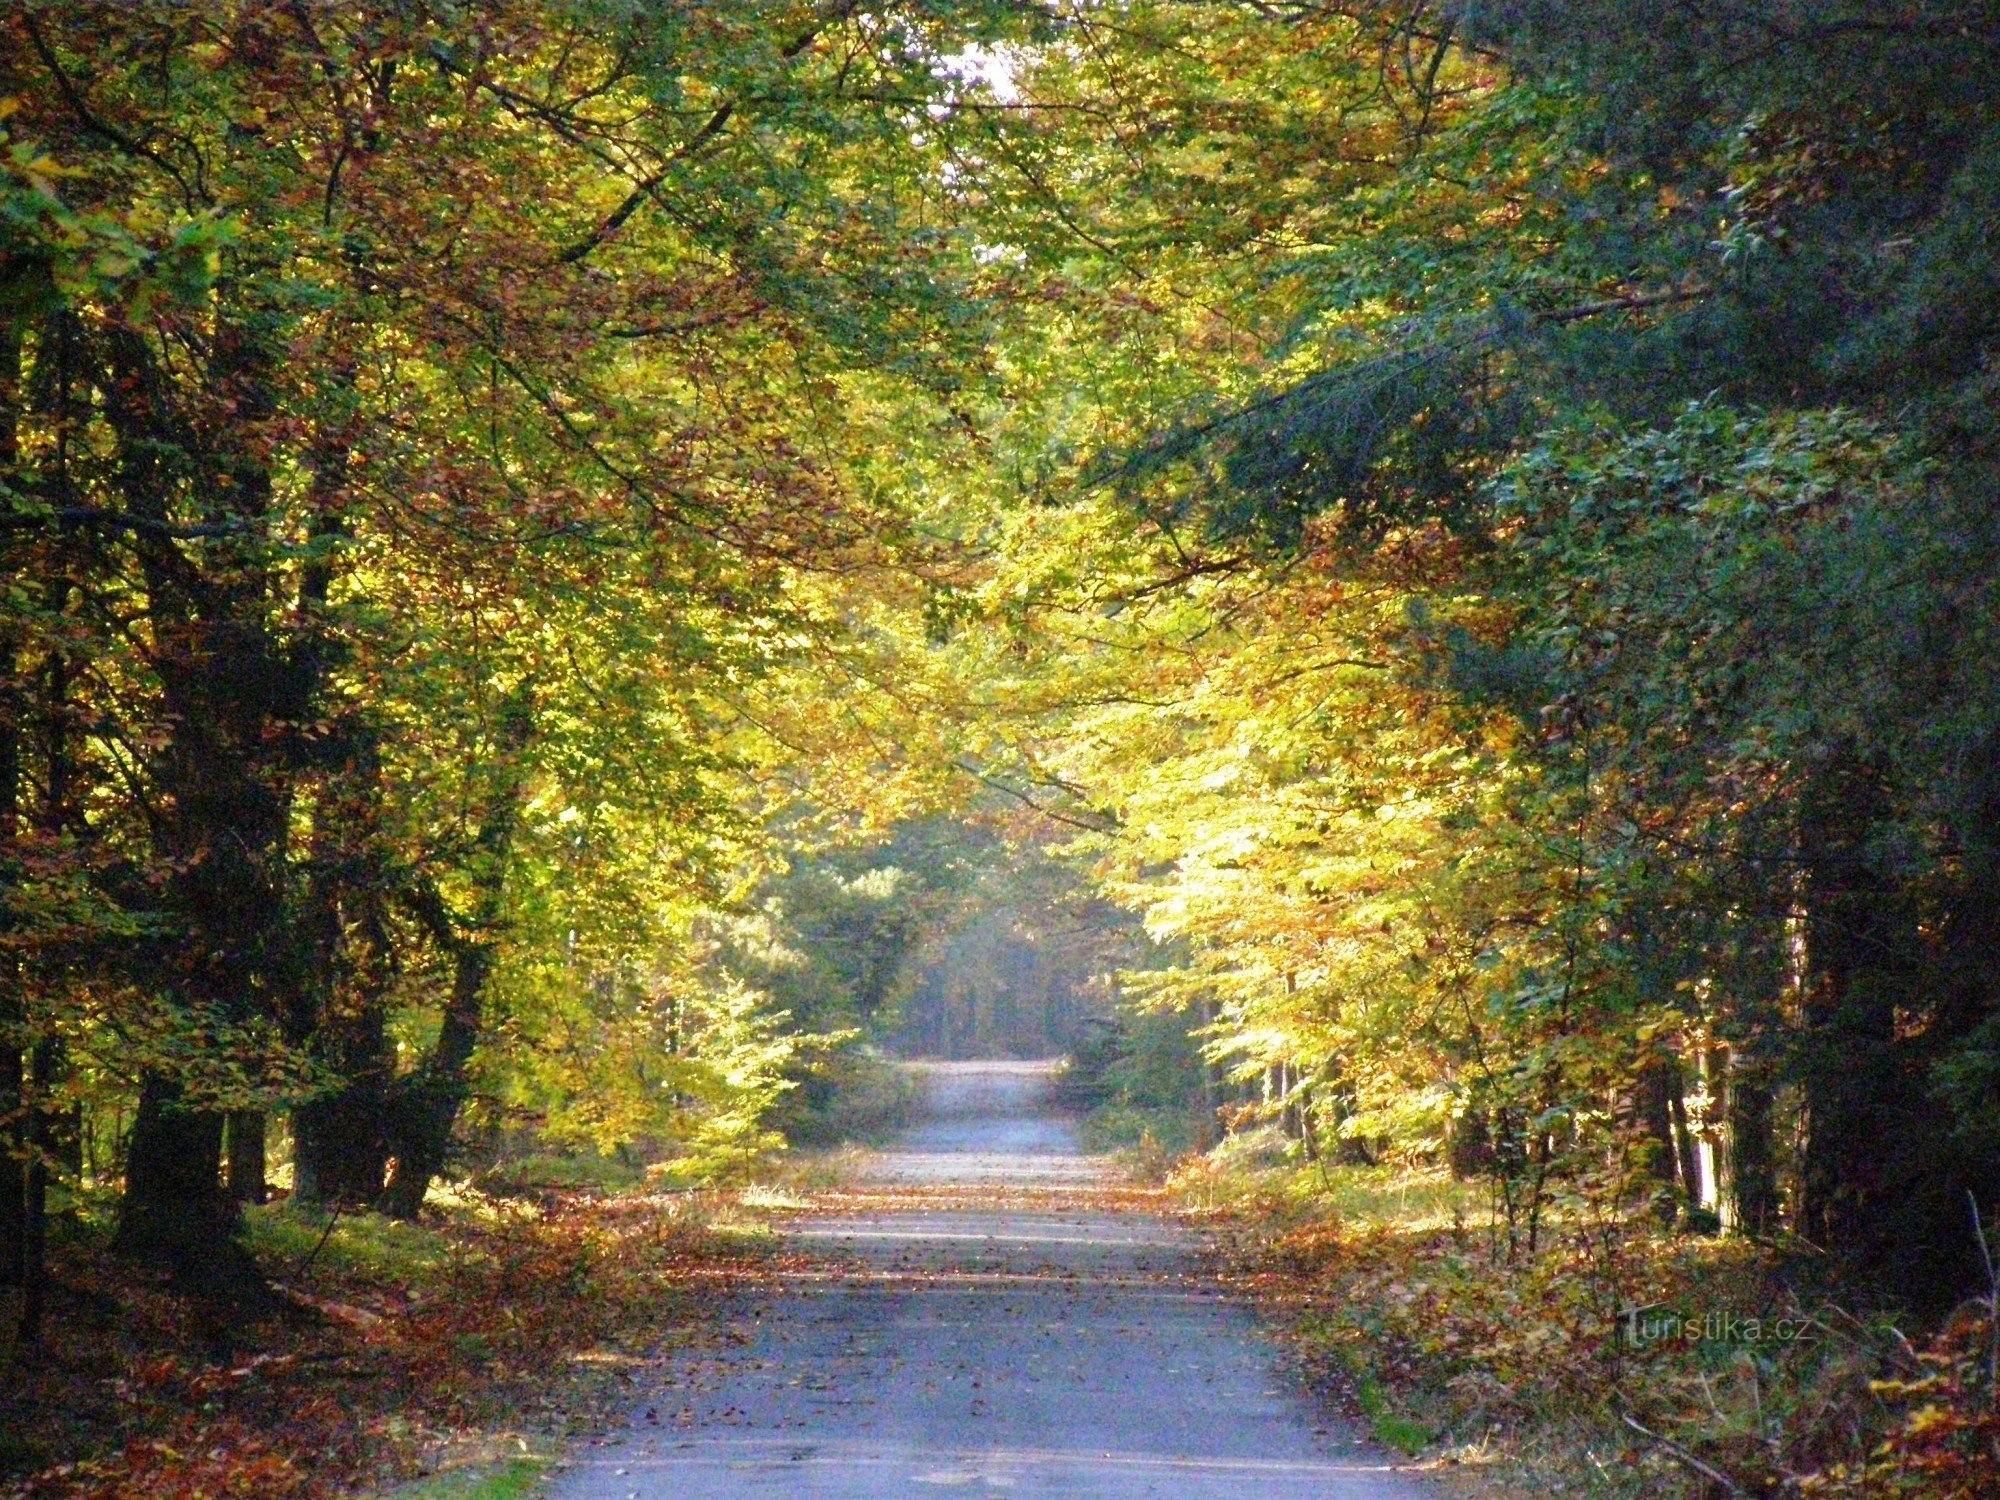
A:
[473, 1346]
[1620, 1360]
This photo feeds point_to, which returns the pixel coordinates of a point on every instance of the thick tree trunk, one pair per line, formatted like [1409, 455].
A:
[247, 1176]
[1652, 1107]
[175, 1215]
[221, 778]
[1855, 1094]
[340, 1146]
[1652, 1104]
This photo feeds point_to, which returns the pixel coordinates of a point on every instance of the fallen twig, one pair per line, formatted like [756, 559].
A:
[326, 1233]
[1992, 1301]
[1675, 1450]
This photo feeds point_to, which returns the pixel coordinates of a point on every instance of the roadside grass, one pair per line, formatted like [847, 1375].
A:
[1618, 1361]
[517, 1479]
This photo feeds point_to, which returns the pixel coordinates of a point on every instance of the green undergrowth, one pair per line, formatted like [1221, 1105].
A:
[851, 1097]
[579, 1171]
[1147, 1138]
[1619, 1359]
[342, 1247]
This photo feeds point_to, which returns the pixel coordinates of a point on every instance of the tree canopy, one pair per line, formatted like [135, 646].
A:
[1472, 525]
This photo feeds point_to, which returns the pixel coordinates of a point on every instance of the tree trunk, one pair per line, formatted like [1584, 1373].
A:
[34, 1273]
[1687, 1160]
[1653, 1108]
[1855, 1101]
[13, 1013]
[1469, 1145]
[1752, 1148]
[425, 1106]
[247, 1182]
[175, 1215]
[230, 695]
[428, 1102]
[1653, 1096]
[340, 1147]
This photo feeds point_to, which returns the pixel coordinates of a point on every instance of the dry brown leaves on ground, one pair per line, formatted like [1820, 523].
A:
[1635, 1363]
[515, 1327]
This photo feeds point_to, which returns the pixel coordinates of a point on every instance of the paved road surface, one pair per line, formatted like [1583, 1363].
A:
[990, 1329]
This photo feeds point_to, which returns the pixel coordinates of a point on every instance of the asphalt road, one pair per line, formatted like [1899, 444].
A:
[989, 1328]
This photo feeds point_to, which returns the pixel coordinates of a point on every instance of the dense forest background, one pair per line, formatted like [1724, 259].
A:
[569, 566]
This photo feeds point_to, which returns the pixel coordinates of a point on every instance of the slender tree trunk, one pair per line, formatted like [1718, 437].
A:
[1469, 1145]
[35, 1215]
[429, 1103]
[1687, 1159]
[426, 1104]
[1752, 1147]
[1308, 1134]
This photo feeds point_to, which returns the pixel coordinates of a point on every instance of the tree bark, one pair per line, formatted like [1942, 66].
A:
[425, 1106]
[175, 1214]
[1687, 1161]
[340, 1144]
[35, 1196]
[1855, 1102]
[428, 1103]
[247, 1179]
[1653, 1106]
[227, 692]
[1469, 1145]
[13, 1016]
[1752, 1148]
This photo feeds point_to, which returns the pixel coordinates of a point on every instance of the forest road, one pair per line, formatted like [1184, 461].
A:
[988, 1321]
